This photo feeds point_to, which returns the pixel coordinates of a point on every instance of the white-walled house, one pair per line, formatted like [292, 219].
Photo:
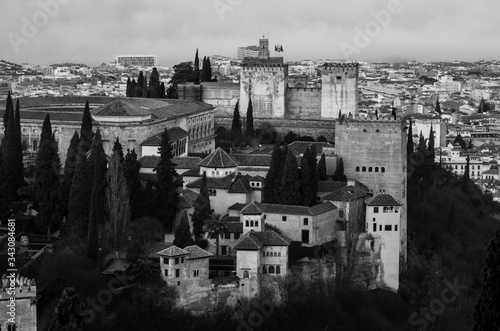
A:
[179, 139]
[383, 219]
[181, 264]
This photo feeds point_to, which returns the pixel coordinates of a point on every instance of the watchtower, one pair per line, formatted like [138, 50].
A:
[264, 48]
[339, 89]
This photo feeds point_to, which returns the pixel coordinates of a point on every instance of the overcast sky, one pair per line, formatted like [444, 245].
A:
[95, 31]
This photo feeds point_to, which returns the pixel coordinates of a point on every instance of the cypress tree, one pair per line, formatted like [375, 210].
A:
[86, 134]
[481, 108]
[204, 70]
[131, 169]
[201, 208]
[154, 84]
[69, 171]
[430, 148]
[46, 185]
[79, 197]
[466, 178]
[268, 191]
[209, 70]
[313, 174]
[98, 197]
[133, 88]
[322, 168]
[339, 176]
[162, 94]
[129, 83]
[183, 236]
[305, 183]
[290, 183]
[409, 142]
[487, 308]
[139, 93]
[168, 197]
[438, 106]
[249, 131]
[236, 125]
[196, 68]
[4, 192]
[14, 152]
[118, 148]
[9, 110]
[117, 198]
[145, 87]
[67, 315]
[277, 184]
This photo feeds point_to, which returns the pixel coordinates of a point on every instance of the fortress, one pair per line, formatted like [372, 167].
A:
[264, 79]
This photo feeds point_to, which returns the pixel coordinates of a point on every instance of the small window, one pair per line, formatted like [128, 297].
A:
[370, 169]
[374, 227]
[165, 260]
[306, 221]
[388, 228]
[396, 227]
[256, 223]
[275, 254]
[177, 272]
[264, 269]
[279, 254]
[376, 169]
[380, 227]
[236, 235]
[251, 224]
[283, 218]
[375, 210]
[382, 169]
[357, 169]
[341, 213]
[182, 260]
[166, 273]
[246, 223]
[271, 269]
[364, 169]
[176, 261]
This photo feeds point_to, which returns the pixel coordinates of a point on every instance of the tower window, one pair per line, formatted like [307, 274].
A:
[357, 169]
[382, 169]
[370, 169]
[376, 169]
[364, 169]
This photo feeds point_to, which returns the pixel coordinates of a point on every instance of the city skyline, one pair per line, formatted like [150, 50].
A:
[54, 31]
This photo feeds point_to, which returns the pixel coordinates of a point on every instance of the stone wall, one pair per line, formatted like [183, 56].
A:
[189, 91]
[303, 103]
[25, 317]
[223, 96]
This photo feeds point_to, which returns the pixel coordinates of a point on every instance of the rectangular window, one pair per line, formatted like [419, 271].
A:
[341, 213]
[176, 261]
[374, 227]
[182, 260]
[388, 228]
[166, 273]
[306, 221]
[177, 272]
[224, 250]
[305, 236]
[165, 260]
[283, 218]
[375, 210]
[34, 145]
[396, 227]
[380, 227]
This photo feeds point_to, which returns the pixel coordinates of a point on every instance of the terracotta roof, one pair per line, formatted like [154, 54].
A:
[321, 208]
[149, 161]
[213, 183]
[347, 193]
[218, 159]
[256, 240]
[173, 251]
[330, 186]
[187, 162]
[252, 209]
[491, 172]
[382, 199]
[257, 179]
[253, 160]
[240, 185]
[175, 134]
[237, 206]
[196, 252]
[194, 172]
[234, 225]
[120, 107]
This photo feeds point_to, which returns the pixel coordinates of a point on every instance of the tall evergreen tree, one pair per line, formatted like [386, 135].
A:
[69, 171]
[140, 92]
[168, 197]
[196, 68]
[236, 125]
[129, 85]
[322, 168]
[268, 191]
[305, 183]
[131, 169]
[67, 315]
[249, 130]
[466, 177]
[482, 107]
[204, 70]
[117, 198]
[409, 143]
[86, 134]
[14, 152]
[154, 84]
[97, 216]
[487, 308]
[313, 174]
[438, 106]
[338, 175]
[278, 195]
[118, 148]
[201, 208]
[290, 183]
[209, 70]
[9, 110]
[79, 197]
[133, 88]
[430, 149]
[183, 236]
[162, 91]
[4, 192]
[46, 185]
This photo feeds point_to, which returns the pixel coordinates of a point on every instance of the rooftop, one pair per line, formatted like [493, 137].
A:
[256, 240]
[382, 199]
[218, 159]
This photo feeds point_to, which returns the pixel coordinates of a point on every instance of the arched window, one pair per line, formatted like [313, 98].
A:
[271, 269]
[246, 224]
[278, 270]
[370, 169]
[213, 173]
[376, 169]
[357, 169]
[251, 223]
[382, 169]
[267, 253]
[256, 223]
[364, 169]
[279, 254]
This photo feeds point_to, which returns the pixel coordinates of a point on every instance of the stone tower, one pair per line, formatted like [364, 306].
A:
[19, 292]
[374, 153]
[339, 89]
[264, 48]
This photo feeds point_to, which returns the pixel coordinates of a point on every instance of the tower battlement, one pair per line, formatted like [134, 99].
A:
[340, 68]
[276, 67]
[22, 286]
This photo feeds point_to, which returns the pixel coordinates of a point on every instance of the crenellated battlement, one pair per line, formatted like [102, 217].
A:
[339, 68]
[310, 89]
[22, 286]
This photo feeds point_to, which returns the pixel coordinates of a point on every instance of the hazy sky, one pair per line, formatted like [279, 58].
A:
[95, 31]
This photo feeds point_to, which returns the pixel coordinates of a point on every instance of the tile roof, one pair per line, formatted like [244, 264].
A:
[186, 162]
[252, 209]
[237, 206]
[196, 252]
[383, 199]
[149, 161]
[256, 240]
[194, 172]
[240, 185]
[234, 225]
[253, 160]
[120, 107]
[257, 179]
[173, 251]
[218, 159]
[347, 193]
[318, 209]
[330, 186]
[213, 183]
[491, 172]
[175, 134]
